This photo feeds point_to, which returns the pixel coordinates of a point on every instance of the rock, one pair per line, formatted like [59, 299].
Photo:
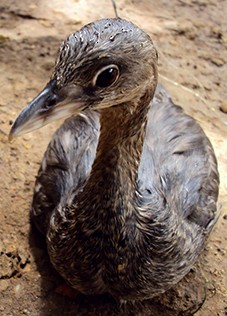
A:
[4, 284]
[7, 266]
[12, 262]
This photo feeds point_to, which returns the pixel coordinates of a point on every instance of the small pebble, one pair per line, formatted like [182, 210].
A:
[17, 288]
[223, 107]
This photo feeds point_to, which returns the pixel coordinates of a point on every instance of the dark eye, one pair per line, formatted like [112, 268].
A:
[106, 76]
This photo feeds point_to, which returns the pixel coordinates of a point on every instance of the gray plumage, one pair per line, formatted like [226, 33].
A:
[127, 190]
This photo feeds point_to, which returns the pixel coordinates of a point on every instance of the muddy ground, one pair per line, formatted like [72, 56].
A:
[191, 39]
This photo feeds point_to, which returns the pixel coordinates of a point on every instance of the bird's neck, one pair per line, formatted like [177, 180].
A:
[113, 180]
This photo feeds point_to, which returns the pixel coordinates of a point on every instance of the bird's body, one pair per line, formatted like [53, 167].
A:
[126, 193]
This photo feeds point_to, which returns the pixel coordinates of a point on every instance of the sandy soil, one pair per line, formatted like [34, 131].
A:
[191, 39]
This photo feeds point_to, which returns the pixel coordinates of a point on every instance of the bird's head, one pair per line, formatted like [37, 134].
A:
[107, 63]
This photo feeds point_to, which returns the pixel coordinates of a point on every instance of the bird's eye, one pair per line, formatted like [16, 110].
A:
[106, 76]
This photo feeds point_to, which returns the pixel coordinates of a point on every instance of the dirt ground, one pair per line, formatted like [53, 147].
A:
[191, 37]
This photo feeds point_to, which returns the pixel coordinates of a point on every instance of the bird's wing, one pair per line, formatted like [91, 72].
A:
[178, 165]
[66, 165]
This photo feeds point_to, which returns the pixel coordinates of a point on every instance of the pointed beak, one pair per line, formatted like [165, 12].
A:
[49, 105]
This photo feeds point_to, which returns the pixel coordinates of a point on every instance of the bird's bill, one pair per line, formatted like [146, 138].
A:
[48, 106]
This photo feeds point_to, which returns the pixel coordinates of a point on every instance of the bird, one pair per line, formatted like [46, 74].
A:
[126, 194]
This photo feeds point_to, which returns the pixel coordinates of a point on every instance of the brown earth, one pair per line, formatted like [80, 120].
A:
[191, 37]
